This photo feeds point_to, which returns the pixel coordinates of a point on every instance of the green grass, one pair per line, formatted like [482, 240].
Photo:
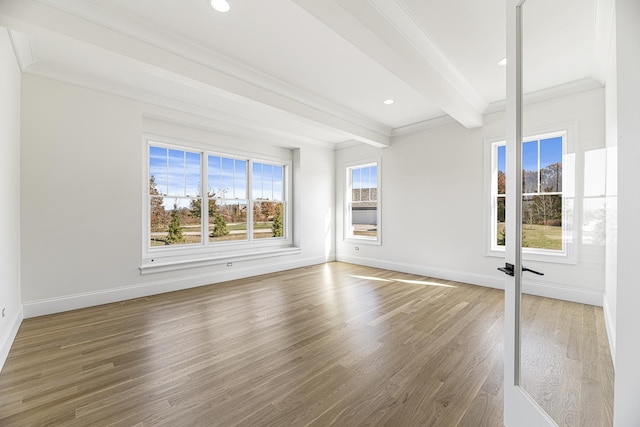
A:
[539, 236]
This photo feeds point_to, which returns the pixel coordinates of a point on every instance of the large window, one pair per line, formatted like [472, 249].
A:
[246, 199]
[542, 196]
[363, 207]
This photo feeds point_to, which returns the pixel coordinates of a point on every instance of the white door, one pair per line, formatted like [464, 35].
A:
[520, 410]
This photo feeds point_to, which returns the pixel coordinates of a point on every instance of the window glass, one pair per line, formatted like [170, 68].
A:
[177, 179]
[542, 200]
[174, 189]
[363, 204]
[268, 201]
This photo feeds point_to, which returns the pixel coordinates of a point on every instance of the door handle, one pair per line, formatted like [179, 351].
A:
[532, 271]
[508, 270]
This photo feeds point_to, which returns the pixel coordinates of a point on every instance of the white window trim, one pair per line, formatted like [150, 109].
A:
[366, 240]
[160, 259]
[568, 254]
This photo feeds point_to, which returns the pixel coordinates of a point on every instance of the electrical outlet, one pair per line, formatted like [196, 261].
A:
[357, 248]
[229, 264]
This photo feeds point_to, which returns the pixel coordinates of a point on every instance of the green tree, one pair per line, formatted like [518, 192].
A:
[219, 226]
[174, 234]
[502, 237]
[196, 209]
[157, 212]
[276, 227]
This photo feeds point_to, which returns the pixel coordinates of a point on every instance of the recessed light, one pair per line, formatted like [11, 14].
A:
[503, 62]
[220, 5]
[388, 101]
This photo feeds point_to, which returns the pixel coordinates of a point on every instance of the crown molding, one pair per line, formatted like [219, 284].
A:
[347, 144]
[565, 89]
[421, 126]
[23, 48]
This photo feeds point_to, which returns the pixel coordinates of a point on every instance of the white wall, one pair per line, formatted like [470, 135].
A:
[82, 161]
[627, 386]
[10, 190]
[433, 201]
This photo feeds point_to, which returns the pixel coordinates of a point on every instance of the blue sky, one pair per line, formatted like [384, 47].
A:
[550, 152]
[227, 177]
[267, 181]
[177, 173]
[366, 177]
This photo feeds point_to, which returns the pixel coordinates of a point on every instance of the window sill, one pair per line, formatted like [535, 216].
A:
[558, 258]
[362, 241]
[151, 267]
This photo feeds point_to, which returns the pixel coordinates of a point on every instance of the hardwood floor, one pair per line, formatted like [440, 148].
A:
[333, 344]
[566, 361]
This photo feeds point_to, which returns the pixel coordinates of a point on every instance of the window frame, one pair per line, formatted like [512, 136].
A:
[567, 254]
[221, 251]
[348, 235]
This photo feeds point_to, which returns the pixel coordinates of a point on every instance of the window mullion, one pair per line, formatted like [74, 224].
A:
[539, 172]
[250, 201]
[204, 198]
[184, 172]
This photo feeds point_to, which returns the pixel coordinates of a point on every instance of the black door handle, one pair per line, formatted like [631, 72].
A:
[508, 270]
[532, 271]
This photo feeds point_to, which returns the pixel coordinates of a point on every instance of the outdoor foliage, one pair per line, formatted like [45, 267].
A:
[174, 234]
[158, 214]
[276, 227]
[541, 211]
[219, 226]
[196, 206]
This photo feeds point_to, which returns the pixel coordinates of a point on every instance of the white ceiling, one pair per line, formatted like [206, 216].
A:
[309, 70]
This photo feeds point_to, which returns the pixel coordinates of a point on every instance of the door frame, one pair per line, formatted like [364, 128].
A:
[520, 409]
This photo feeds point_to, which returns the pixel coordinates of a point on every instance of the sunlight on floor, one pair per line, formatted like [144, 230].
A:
[376, 279]
[424, 282]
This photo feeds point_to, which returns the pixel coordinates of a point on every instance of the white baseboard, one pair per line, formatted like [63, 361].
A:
[548, 290]
[89, 299]
[610, 324]
[474, 279]
[7, 339]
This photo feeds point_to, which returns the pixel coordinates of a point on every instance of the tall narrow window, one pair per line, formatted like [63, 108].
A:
[174, 197]
[363, 214]
[228, 202]
[542, 197]
[268, 200]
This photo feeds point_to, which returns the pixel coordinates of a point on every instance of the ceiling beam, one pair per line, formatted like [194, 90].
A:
[31, 17]
[387, 32]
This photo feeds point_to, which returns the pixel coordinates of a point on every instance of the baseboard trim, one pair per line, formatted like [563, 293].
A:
[610, 326]
[90, 299]
[10, 336]
[548, 290]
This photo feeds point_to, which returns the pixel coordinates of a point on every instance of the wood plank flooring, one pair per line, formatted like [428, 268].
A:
[566, 361]
[333, 344]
